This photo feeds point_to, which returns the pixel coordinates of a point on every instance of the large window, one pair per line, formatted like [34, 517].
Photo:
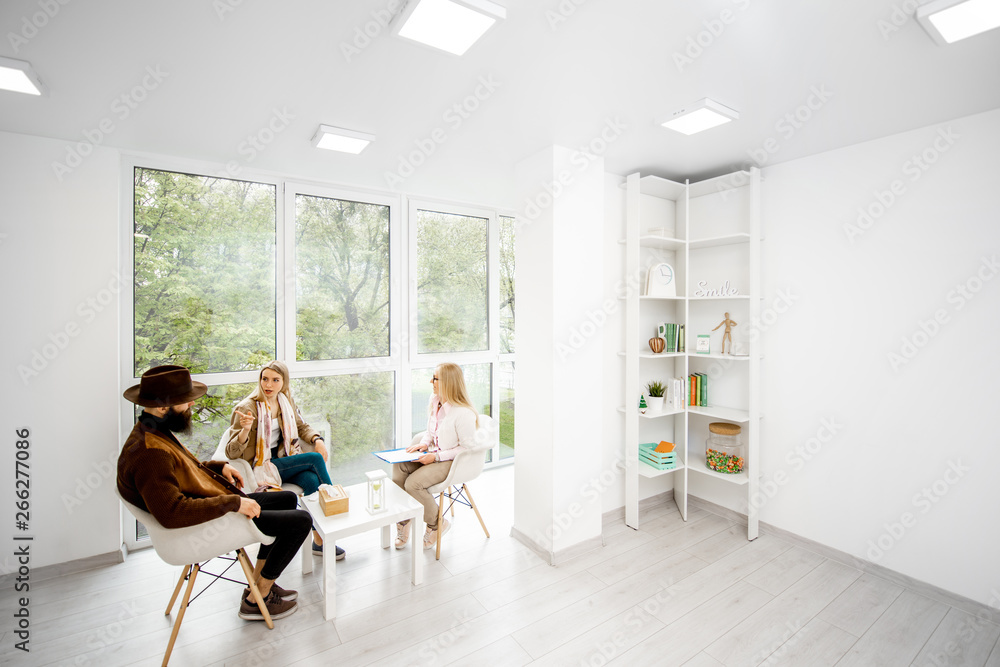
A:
[506, 284]
[229, 274]
[342, 279]
[204, 252]
[452, 282]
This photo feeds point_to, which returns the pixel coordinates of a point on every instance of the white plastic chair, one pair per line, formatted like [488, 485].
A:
[465, 467]
[245, 469]
[192, 546]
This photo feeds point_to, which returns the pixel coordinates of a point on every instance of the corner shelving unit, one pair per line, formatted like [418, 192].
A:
[705, 231]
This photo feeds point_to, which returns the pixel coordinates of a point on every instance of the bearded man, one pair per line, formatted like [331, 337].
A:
[160, 475]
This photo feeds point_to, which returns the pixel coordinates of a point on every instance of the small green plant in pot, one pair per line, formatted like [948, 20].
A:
[655, 392]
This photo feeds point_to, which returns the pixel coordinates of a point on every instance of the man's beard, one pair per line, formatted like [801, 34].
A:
[178, 422]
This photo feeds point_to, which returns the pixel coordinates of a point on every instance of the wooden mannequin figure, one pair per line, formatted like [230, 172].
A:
[727, 334]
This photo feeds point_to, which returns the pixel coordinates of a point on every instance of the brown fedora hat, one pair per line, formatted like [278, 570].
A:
[164, 386]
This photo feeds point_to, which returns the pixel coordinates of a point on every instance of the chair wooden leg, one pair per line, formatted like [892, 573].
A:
[177, 589]
[241, 555]
[180, 613]
[440, 524]
[478, 515]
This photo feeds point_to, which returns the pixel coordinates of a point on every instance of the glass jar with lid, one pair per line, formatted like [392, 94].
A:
[724, 448]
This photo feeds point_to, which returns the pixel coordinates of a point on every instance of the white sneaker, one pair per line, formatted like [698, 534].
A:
[402, 534]
[430, 537]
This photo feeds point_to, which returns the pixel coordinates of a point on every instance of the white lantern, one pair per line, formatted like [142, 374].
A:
[376, 491]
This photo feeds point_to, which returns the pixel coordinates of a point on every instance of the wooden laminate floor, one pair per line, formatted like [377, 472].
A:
[692, 593]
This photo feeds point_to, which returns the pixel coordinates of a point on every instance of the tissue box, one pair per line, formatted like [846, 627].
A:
[334, 502]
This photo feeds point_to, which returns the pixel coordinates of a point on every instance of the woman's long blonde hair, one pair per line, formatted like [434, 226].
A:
[451, 387]
[281, 369]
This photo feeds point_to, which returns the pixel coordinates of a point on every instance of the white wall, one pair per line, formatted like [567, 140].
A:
[560, 402]
[59, 253]
[899, 430]
[849, 443]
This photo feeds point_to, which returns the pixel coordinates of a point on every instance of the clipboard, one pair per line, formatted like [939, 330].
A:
[398, 455]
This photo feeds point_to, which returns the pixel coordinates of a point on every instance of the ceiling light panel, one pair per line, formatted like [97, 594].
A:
[19, 77]
[702, 115]
[948, 21]
[340, 139]
[448, 25]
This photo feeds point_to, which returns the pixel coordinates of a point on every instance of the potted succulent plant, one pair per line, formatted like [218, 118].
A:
[655, 396]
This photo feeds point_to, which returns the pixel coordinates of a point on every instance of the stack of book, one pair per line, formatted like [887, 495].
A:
[673, 334]
[676, 394]
[698, 389]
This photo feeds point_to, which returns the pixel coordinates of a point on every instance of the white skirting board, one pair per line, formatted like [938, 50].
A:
[561, 556]
[71, 567]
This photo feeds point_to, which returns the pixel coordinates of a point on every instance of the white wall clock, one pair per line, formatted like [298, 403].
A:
[661, 281]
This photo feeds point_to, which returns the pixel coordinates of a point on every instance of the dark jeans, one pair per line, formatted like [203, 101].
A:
[289, 526]
[307, 470]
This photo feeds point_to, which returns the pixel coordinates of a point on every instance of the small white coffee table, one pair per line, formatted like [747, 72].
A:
[399, 507]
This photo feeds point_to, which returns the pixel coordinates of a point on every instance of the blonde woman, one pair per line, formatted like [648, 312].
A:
[266, 430]
[451, 428]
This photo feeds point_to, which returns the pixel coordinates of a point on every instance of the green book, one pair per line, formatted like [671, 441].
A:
[704, 390]
[680, 339]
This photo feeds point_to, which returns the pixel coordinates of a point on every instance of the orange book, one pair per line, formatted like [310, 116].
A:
[693, 391]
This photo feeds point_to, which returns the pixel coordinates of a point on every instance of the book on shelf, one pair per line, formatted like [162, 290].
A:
[675, 394]
[670, 333]
[698, 389]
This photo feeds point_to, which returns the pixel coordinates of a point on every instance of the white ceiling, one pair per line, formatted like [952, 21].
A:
[564, 69]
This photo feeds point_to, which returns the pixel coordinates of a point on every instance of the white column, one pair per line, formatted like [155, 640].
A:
[559, 341]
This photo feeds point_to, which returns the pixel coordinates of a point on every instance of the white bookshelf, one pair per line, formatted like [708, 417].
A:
[704, 230]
